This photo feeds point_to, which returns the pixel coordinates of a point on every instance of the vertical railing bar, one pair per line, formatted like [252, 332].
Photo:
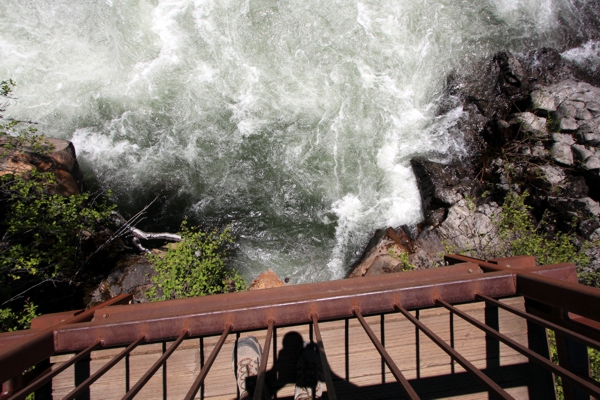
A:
[164, 372]
[144, 379]
[105, 368]
[211, 359]
[262, 372]
[42, 380]
[390, 363]
[324, 363]
[235, 361]
[483, 378]
[382, 335]
[274, 353]
[589, 387]
[201, 364]
[542, 322]
[347, 348]
[310, 332]
[127, 375]
[417, 348]
[452, 366]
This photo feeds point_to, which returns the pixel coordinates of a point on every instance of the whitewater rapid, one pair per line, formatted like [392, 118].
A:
[293, 121]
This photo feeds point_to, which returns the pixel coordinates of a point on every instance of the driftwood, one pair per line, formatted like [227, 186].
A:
[139, 234]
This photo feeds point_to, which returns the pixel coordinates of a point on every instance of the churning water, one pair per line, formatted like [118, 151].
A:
[292, 120]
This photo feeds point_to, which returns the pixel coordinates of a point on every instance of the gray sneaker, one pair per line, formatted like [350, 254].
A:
[245, 361]
[309, 373]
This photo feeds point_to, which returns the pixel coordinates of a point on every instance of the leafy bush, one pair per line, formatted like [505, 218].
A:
[41, 233]
[195, 266]
[522, 237]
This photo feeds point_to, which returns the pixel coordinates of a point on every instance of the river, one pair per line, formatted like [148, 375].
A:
[292, 121]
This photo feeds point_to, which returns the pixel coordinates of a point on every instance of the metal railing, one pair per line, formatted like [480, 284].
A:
[553, 298]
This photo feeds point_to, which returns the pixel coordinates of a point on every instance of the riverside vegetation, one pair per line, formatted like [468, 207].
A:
[47, 240]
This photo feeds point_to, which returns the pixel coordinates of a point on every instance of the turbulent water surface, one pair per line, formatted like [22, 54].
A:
[294, 121]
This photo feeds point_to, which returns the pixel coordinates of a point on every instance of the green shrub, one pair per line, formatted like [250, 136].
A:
[520, 236]
[195, 266]
[41, 233]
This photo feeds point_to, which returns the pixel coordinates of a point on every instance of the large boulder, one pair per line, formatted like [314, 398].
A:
[58, 156]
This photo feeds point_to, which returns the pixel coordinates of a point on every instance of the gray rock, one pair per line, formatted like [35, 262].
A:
[580, 152]
[439, 184]
[564, 90]
[566, 110]
[539, 151]
[580, 98]
[568, 125]
[593, 139]
[592, 163]
[530, 123]
[563, 138]
[561, 153]
[469, 227]
[133, 275]
[553, 174]
[583, 113]
[589, 126]
[570, 208]
[525, 150]
[543, 100]
[594, 108]
[584, 86]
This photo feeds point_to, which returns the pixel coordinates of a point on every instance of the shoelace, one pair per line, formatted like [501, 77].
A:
[245, 370]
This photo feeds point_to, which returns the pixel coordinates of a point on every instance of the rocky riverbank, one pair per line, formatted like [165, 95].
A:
[532, 124]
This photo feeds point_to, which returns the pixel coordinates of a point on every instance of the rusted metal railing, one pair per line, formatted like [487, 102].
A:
[554, 300]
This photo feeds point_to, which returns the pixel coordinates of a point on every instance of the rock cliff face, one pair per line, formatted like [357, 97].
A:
[532, 124]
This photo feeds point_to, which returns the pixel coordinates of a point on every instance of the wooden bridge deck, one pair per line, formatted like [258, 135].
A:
[358, 374]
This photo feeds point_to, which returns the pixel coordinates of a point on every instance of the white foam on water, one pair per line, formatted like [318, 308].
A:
[587, 55]
[294, 121]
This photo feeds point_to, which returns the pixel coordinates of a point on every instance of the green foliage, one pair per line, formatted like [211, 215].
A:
[521, 237]
[195, 266]
[41, 233]
[11, 320]
[593, 355]
[403, 256]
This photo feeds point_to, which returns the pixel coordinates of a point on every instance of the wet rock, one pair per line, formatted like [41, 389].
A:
[383, 253]
[513, 75]
[267, 279]
[440, 185]
[132, 275]
[60, 160]
[561, 153]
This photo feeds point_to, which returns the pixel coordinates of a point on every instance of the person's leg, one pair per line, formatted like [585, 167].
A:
[246, 359]
[309, 373]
